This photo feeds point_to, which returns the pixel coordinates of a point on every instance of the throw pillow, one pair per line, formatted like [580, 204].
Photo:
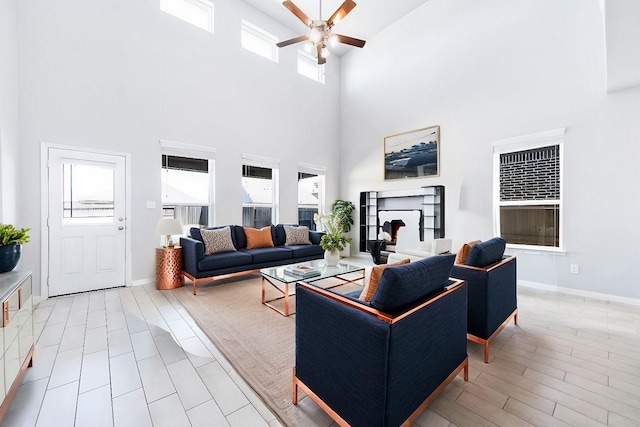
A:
[407, 284]
[296, 235]
[486, 253]
[376, 272]
[218, 240]
[258, 238]
[463, 253]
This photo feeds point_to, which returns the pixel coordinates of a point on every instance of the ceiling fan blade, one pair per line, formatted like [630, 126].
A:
[321, 59]
[342, 11]
[349, 40]
[292, 41]
[297, 11]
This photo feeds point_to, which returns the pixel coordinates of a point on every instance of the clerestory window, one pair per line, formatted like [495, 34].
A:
[195, 12]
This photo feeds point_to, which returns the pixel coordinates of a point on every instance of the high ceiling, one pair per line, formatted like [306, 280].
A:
[368, 18]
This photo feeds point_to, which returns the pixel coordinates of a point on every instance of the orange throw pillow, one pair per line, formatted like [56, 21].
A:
[463, 253]
[258, 238]
[376, 273]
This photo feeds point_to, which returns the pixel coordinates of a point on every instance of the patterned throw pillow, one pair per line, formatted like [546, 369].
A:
[296, 235]
[258, 238]
[218, 240]
[463, 253]
[376, 274]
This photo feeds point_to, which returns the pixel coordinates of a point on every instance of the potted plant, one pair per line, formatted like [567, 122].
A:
[11, 240]
[334, 240]
[343, 209]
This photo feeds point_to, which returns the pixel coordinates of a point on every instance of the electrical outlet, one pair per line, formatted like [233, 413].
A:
[151, 204]
[574, 269]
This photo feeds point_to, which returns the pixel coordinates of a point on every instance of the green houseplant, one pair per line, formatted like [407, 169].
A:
[11, 240]
[343, 209]
[334, 239]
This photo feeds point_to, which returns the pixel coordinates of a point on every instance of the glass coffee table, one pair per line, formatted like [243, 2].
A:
[280, 280]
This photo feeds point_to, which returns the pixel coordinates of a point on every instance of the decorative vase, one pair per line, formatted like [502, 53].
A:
[331, 258]
[9, 257]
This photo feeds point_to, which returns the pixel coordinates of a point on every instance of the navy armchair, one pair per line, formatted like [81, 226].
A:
[382, 363]
[491, 283]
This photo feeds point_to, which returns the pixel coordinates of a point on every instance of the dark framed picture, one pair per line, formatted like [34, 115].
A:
[412, 154]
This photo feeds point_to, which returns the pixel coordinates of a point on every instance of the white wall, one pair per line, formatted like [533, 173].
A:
[120, 75]
[484, 71]
[9, 123]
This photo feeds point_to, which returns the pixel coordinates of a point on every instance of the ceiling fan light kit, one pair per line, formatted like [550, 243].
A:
[320, 34]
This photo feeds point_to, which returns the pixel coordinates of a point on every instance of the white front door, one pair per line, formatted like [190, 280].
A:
[86, 222]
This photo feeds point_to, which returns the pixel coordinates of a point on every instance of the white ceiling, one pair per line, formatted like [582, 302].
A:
[365, 20]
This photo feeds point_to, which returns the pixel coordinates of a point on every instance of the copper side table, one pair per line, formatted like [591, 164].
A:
[169, 268]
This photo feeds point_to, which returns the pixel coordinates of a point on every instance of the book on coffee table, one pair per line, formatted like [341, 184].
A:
[302, 271]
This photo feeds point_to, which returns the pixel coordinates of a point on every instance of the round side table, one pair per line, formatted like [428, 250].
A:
[169, 268]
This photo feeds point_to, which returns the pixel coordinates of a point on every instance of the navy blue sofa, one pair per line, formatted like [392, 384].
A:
[200, 268]
[491, 282]
[382, 363]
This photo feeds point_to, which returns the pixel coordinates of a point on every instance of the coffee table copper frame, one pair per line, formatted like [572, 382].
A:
[280, 281]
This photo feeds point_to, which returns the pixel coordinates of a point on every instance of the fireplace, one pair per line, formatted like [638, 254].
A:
[404, 228]
[409, 216]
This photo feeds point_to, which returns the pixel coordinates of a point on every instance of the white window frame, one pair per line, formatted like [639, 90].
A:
[311, 60]
[521, 143]
[274, 165]
[247, 29]
[321, 172]
[205, 5]
[181, 149]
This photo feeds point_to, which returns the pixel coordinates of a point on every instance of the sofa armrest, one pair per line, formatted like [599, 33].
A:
[192, 252]
[315, 236]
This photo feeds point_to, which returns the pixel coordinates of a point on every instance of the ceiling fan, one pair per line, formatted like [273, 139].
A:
[320, 33]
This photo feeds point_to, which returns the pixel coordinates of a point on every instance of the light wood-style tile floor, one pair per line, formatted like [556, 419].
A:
[134, 357]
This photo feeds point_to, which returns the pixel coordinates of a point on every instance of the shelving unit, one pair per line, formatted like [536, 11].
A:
[428, 199]
[368, 218]
[433, 212]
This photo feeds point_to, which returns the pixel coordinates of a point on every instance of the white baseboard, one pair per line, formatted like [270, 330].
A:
[578, 292]
[143, 282]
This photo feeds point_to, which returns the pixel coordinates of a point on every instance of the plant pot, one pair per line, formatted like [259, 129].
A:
[346, 252]
[331, 258]
[9, 257]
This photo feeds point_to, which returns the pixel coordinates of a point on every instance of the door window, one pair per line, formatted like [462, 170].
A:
[88, 194]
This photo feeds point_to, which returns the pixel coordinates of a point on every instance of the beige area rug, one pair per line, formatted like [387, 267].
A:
[257, 341]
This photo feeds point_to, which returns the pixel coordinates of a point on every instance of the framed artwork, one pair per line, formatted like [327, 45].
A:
[412, 154]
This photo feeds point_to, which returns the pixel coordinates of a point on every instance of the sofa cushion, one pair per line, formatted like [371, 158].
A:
[296, 235]
[464, 250]
[376, 272]
[304, 251]
[262, 255]
[238, 237]
[194, 232]
[278, 236]
[258, 238]
[217, 241]
[486, 253]
[224, 260]
[402, 285]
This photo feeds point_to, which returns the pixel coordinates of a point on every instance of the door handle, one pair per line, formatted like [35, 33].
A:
[121, 228]
[120, 219]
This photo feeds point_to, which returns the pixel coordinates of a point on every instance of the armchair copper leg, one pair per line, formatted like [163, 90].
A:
[486, 352]
[466, 370]
[295, 388]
